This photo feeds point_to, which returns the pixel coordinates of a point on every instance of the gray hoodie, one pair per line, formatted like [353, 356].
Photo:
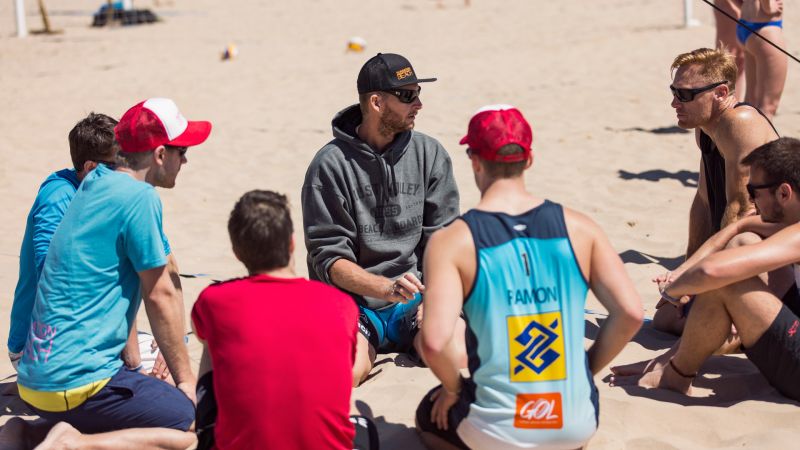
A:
[375, 209]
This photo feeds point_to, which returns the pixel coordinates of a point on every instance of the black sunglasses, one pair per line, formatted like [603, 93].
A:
[405, 95]
[687, 94]
[752, 188]
[181, 150]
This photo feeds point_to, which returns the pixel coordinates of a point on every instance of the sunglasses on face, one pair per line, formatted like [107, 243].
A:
[688, 94]
[181, 150]
[405, 95]
[752, 188]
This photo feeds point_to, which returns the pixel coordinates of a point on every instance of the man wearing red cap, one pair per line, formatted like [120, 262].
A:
[109, 253]
[518, 268]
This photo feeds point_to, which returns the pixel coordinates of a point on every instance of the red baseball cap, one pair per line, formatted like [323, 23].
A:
[494, 126]
[155, 122]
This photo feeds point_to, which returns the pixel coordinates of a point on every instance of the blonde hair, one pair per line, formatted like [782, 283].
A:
[715, 65]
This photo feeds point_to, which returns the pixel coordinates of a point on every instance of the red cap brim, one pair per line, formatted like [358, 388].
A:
[464, 140]
[195, 134]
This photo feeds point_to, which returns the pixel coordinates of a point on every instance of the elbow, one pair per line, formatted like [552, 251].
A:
[433, 344]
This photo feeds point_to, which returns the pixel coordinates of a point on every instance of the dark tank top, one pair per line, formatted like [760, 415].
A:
[714, 166]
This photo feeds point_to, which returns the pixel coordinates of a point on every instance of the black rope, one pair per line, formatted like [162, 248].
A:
[750, 29]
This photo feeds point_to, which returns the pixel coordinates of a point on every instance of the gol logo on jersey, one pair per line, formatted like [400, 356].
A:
[536, 347]
[539, 411]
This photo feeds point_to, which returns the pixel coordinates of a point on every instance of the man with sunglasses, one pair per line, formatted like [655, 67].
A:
[371, 199]
[109, 253]
[726, 131]
[729, 291]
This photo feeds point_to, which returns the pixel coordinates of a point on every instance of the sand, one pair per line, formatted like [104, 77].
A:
[591, 77]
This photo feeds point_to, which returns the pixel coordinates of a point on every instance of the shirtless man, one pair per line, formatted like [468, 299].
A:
[726, 131]
[518, 267]
[729, 291]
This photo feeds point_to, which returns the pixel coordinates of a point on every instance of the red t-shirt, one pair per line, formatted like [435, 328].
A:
[282, 351]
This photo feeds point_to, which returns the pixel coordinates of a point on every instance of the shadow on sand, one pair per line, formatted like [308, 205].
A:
[392, 436]
[672, 129]
[730, 379]
[686, 177]
[637, 257]
[647, 336]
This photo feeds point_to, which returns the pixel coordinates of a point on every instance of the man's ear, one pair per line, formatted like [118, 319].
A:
[477, 167]
[785, 191]
[291, 244]
[159, 155]
[529, 163]
[88, 166]
[376, 102]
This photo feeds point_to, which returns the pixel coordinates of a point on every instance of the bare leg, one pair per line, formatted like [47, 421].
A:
[726, 38]
[365, 358]
[64, 436]
[771, 67]
[751, 78]
[668, 319]
[748, 304]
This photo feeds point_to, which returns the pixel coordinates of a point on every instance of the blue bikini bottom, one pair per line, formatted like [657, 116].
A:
[743, 33]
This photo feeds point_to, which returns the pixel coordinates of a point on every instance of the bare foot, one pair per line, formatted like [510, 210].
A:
[661, 376]
[642, 367]
[62, 437]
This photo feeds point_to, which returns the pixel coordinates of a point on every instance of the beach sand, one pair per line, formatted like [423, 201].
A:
[591, 77]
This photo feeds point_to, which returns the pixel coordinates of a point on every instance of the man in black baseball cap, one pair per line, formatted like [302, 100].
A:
[371, 199]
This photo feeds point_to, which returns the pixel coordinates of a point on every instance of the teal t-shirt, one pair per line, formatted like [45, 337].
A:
[48, 209]
[88, 293]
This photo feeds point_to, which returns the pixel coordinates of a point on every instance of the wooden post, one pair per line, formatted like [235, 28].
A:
[45, 19]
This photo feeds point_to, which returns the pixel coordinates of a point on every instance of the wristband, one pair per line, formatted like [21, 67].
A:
[135, 369]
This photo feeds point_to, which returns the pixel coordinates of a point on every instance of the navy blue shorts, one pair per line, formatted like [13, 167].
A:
[129, 400]
[390, 329]
[456, 414]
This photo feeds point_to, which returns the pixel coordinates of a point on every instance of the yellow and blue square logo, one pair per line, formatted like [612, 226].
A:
[536, 347]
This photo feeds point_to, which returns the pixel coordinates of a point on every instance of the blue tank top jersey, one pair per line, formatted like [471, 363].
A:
[525, 333]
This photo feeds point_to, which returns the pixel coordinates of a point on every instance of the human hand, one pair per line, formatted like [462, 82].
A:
[190, 389]
[443, 400]
[403, 289]
[160, 369]
[773, 6]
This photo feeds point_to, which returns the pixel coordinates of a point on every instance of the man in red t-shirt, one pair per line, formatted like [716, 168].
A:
[268, 394]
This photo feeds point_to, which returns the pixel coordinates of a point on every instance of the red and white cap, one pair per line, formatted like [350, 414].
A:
[155, 122]
[494, 126]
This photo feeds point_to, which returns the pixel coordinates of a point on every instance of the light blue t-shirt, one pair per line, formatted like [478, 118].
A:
[89, 291]
[48, 209]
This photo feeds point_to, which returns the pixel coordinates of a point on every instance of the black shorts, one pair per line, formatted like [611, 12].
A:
[777, 353]
[454, 417]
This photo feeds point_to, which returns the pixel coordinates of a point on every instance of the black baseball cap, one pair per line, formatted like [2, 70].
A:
[387, 71]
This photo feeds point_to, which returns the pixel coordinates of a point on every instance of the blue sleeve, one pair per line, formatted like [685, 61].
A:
[51, 204]
[142, 233]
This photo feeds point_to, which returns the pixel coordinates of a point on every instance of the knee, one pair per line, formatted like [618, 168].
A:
[361, 370]
[740, 240]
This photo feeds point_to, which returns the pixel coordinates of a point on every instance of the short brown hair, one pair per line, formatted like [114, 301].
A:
[779, 159]
[92, 139]
[497, 169]
[715, 65]
[260, 228]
